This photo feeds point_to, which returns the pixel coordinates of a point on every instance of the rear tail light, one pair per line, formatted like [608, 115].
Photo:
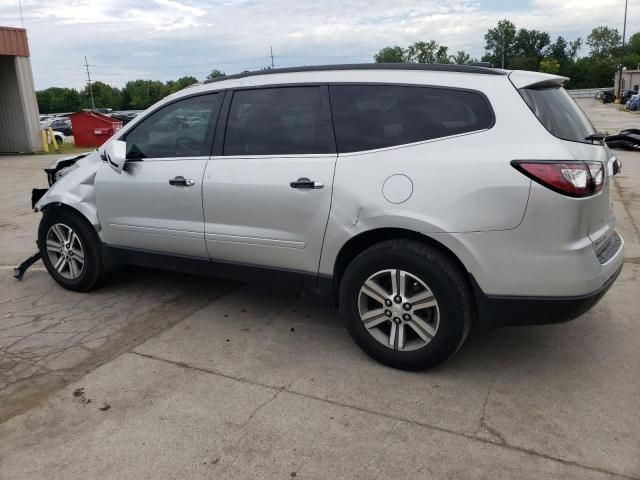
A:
[596, 170]
[574, 179]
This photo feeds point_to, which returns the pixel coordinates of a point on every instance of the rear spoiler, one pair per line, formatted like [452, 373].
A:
[525, 79]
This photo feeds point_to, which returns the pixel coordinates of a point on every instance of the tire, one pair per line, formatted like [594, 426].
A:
[79, 242]
[429, 276]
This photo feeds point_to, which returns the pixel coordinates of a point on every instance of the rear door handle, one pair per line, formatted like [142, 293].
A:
[180, 181]
[305, 183]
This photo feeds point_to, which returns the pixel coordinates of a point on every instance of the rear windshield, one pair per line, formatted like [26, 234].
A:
[557, 111]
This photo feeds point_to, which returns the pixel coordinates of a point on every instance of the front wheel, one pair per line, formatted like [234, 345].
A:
[406, 304]
[70, 249]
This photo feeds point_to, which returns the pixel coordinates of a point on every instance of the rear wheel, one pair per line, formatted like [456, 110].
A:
[406, 304]
[70, 249]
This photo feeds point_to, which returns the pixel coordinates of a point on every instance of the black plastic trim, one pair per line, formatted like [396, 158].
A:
[116, 256]
[37, 194]
[501, 311]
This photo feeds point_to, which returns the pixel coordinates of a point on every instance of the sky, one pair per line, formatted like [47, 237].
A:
[166, 39]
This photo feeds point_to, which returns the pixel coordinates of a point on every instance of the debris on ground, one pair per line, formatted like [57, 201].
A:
[104, 407]
[79, 396]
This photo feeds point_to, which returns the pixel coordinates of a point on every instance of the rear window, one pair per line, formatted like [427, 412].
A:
[275, 121]
[367, 117]
[559, 114]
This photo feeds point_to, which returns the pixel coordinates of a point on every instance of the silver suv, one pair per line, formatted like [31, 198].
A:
[427, 198]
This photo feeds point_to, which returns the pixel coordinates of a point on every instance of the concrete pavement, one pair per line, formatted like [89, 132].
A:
[264, 382]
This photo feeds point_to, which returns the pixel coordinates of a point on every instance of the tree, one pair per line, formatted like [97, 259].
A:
[141, 94]
[633, 45]
[390, 55]
[104, 96]
[215, 74]
[564, 51]
[461, 58]
[530, 43]
[183, 82]
[58, 100]
[423, 52]
[550, 65]
[499, 41]
[602, 41]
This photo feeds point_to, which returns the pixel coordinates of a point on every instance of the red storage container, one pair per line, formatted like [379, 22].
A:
[92, 129]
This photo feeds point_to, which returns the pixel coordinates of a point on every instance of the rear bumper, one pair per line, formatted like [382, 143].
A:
[498, 311]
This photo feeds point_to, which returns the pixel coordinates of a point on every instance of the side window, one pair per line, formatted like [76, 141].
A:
[181, 129]
[275, 121]
[366, 117]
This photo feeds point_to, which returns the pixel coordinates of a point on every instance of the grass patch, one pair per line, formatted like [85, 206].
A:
[68, 149]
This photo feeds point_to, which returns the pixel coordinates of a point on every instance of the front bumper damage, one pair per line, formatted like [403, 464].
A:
[19, 271]
[54, 172]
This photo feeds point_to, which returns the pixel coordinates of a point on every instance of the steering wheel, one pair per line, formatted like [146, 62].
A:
[187, 145]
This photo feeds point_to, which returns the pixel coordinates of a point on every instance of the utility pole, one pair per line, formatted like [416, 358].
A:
[624, 34]
[271, 57]
[86, 64]
[503, 51]
[21, 18]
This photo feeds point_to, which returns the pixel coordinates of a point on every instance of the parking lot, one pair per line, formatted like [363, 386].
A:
[159, 375]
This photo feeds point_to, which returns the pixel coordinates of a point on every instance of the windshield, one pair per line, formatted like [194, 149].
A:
[557, 111]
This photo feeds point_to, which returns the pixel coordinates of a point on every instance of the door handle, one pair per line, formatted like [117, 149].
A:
[180, 181]
[305, 183]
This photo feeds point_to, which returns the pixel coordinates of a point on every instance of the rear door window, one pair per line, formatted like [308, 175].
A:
[276, 121]
[367, 117]
[558, 112]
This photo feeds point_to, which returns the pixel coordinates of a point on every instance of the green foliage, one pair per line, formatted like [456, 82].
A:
[591, 72]
[603, 41]
[215, 74]
[460, 58]
[136, 95]
[104, 96]
[427, 52]
[501, 38]
[54, 99]
[390, 55]
[533, 50]
[550, 65]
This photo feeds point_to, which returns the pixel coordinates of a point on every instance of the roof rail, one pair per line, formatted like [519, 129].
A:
[430, 67]
[481, 64]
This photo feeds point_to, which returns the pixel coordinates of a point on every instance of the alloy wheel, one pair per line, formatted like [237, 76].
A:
[65, 251]
[398, 310]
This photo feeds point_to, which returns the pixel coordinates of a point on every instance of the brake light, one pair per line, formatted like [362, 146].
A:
[574, 179]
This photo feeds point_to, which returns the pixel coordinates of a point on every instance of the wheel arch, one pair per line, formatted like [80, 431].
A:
[356, 245]
[87, 214]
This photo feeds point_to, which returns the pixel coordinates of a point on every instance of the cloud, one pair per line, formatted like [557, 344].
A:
[164, 39]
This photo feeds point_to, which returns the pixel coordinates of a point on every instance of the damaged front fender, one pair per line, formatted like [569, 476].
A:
[76, 188]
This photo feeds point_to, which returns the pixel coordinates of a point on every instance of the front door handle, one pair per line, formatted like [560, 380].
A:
[180, 181]
[305, 183]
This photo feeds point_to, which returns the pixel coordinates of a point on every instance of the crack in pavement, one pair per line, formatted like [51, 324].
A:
[52, 337]
[286, 390]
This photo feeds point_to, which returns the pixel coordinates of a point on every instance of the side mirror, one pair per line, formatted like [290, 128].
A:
[116, 153]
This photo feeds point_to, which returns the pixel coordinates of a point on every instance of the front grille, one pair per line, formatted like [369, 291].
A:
[610, 248]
